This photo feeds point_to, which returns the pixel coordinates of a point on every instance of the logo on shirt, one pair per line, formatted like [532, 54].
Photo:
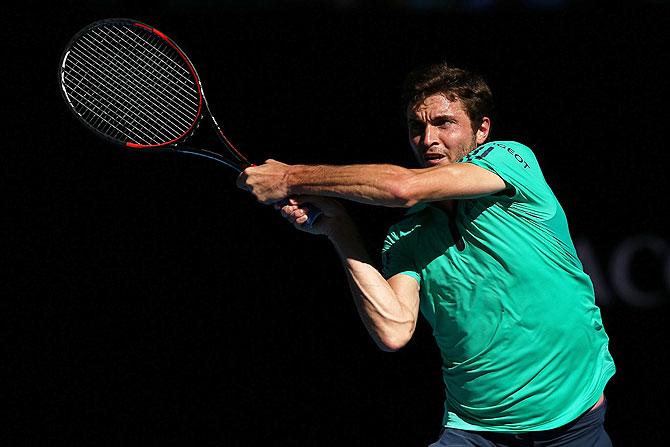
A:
[518, 157]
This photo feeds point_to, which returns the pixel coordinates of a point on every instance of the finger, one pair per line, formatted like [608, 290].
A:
[301, 220]
[296, 215]
[305, 210]
[285, 202]
[316, 203]
[287, 210]
[299, 212]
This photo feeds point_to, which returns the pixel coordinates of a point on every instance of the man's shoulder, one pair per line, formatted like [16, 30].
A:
[500, 153]
[508, 145]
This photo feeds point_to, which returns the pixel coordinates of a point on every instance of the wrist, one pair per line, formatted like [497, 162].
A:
[292, 179]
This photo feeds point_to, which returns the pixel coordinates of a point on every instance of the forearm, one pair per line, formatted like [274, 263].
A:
[393, 186]
[381, 184]
[389, 321]
[371, 184]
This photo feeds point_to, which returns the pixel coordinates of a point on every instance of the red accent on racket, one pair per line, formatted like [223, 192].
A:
[132, 85]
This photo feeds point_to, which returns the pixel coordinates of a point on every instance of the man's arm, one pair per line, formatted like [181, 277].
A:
[386, 185]
[388, 309]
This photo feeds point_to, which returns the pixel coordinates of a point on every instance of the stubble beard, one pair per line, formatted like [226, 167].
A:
[466, 148]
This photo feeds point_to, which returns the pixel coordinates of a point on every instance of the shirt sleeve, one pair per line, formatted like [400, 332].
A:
[396, 256]
[517, 166]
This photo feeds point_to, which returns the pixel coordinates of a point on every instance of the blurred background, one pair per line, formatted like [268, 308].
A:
[149, 301]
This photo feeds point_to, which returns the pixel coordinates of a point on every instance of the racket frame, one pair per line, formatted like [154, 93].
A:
[238, 162]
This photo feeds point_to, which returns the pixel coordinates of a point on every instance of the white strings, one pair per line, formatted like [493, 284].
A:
[130, 84]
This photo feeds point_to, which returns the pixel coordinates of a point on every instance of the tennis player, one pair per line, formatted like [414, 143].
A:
[485, 253]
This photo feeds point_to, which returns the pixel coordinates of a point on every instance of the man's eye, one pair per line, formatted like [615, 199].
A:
[416, 128]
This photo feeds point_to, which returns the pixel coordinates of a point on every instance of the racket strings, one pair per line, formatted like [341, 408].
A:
[153, 68]
[109, 110]
[116, 81]
[144, 122]
[131, 85]
[106, 90]
[145, 76]
[167, 73]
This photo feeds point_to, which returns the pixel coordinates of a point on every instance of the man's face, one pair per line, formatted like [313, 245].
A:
[440, 131]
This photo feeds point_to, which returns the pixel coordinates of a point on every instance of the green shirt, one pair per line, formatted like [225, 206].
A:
[522, 341]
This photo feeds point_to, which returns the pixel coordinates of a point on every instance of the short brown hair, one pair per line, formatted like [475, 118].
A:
[469, 87]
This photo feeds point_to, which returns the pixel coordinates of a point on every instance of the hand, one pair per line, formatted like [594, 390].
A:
[334, 216]
[266, 182]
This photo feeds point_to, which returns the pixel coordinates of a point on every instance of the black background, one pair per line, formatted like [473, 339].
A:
[150, 301]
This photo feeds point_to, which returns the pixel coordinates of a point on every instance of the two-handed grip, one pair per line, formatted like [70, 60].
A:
[313, 212]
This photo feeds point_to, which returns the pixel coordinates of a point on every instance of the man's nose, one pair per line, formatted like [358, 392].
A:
[429, 136]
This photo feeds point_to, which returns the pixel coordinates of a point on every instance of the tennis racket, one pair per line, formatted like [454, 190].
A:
[133, 86]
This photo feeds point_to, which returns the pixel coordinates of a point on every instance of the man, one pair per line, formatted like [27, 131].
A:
[485, 253]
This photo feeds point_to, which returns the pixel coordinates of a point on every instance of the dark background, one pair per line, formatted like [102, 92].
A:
[149, 301]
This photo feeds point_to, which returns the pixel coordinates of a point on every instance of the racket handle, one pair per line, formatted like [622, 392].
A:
[313, 212]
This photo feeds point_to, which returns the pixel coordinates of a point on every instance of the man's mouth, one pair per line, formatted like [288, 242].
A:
[433, 159]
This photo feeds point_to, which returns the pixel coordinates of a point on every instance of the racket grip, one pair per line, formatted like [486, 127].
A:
[313, 212]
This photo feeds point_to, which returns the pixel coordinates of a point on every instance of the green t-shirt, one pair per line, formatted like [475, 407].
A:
[522, 341]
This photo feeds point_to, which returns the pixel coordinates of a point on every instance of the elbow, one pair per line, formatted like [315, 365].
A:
[403, 190]
[386, 348]
[392, 343]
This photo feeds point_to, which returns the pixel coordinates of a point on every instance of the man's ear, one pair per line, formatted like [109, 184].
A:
[483, 130]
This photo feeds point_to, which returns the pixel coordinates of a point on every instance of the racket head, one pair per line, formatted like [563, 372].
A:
[131, 84]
